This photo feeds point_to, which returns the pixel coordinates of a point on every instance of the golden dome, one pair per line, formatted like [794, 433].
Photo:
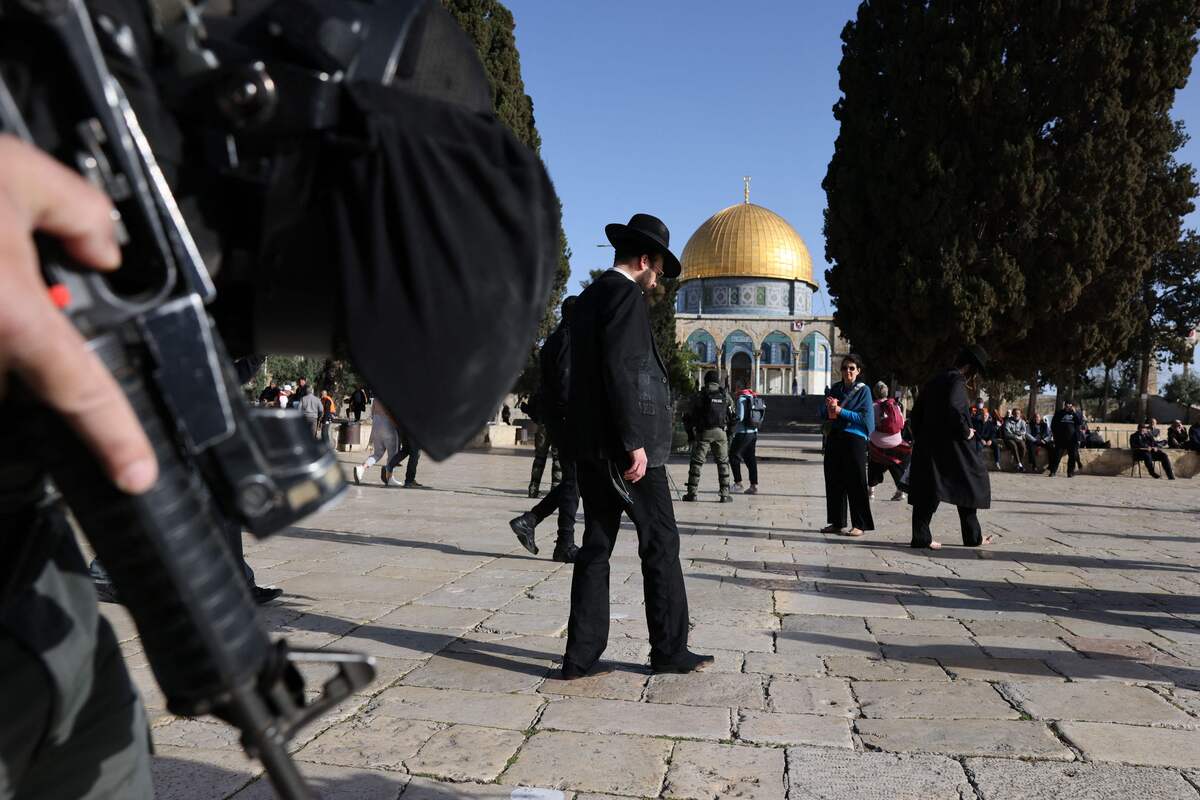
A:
[746, 240]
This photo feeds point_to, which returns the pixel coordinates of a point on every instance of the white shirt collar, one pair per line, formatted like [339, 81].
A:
[624, 274]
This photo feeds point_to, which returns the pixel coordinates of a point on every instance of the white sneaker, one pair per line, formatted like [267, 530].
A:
[395, 482]
[358, 474]
[899, 496]
[737, 487]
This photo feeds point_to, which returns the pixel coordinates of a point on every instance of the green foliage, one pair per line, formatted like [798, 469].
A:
[1170, 308]
[1183, 389]
[1004, 176]
[679, 360]
[490, 26]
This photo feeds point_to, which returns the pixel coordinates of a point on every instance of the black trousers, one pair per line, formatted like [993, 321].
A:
[565, 499]
[1148, 457]
[742, 449]
[357, 415]
[406, 450]
[922, 515]
[846, 481]
[1072, 453]
[658, 547]
[876, 471]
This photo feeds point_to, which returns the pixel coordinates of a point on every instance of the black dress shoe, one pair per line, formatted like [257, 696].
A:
[689, 498]
[687, 662]
[565, 552]
[726, 498]
[523, 527]
[570, 672]
[265, 594]
[414, 485]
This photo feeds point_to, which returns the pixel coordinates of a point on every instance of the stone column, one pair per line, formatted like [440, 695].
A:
[754, 377]
[796, 373]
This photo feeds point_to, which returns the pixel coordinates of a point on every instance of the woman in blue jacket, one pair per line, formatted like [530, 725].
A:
[849, 410]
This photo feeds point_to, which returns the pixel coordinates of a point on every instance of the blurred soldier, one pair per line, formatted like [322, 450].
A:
[542, 447]
[555, 363]
[712, 409]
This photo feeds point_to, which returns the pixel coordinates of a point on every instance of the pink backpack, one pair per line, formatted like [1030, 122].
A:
[889, 419]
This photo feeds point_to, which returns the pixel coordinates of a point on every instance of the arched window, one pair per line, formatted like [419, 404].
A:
[703, 345]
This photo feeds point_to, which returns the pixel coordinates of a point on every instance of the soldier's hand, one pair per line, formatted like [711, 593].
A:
[37, 342]
[637, 467]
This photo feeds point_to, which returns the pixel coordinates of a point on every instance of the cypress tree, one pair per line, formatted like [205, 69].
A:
[998, 176]
[490, 26]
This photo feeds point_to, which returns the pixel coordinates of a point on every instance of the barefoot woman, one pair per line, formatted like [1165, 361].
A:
[945, 466]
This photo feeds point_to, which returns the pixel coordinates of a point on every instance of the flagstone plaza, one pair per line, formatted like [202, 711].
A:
[1064, 661]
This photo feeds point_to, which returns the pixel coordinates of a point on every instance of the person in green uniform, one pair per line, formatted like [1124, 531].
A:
[711, 411]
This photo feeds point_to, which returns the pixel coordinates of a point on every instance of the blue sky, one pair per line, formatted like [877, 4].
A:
[663, 106]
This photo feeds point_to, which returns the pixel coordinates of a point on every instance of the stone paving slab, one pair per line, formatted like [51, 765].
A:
[874, 669]
[620, 716]
[1129, 744]
[708, 689]
[596, 762]
[1007, 779]
[511, 711]
[760, 727]
[705, 771]
[831, 775]
[913, 700]
[824, 696]
[964, 737]
[1097, 701]
[466, 753]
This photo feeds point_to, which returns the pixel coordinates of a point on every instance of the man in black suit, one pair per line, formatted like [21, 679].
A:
[621, 422]
[945, 466]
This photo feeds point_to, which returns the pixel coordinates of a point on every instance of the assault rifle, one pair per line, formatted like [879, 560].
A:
[219, 458]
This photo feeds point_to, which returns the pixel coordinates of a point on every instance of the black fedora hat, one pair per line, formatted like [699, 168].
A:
[645, 230]
[974, 354]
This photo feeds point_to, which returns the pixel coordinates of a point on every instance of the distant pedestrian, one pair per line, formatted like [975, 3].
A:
[358, 403]
[945, 463]
[749, 412]
[312, 410]
[1065, 429]
[888, 451]
[711, 411]
[850, 415]
[385, 441]
[409, 451]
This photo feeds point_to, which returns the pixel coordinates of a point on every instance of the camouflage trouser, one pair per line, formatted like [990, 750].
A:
[73, 723]
[712, 438]
[542, 448]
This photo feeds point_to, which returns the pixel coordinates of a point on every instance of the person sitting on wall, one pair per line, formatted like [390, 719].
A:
[1177, 435]
[1146, 450]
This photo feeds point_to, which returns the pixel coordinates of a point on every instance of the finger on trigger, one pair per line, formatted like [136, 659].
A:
[57, 201]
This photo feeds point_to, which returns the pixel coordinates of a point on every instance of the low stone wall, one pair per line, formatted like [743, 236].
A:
[1110, 461]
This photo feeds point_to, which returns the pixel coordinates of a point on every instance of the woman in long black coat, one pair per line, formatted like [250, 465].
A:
[945, 464]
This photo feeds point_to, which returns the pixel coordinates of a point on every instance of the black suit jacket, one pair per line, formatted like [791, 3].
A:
[945, 466]
[619, 399]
